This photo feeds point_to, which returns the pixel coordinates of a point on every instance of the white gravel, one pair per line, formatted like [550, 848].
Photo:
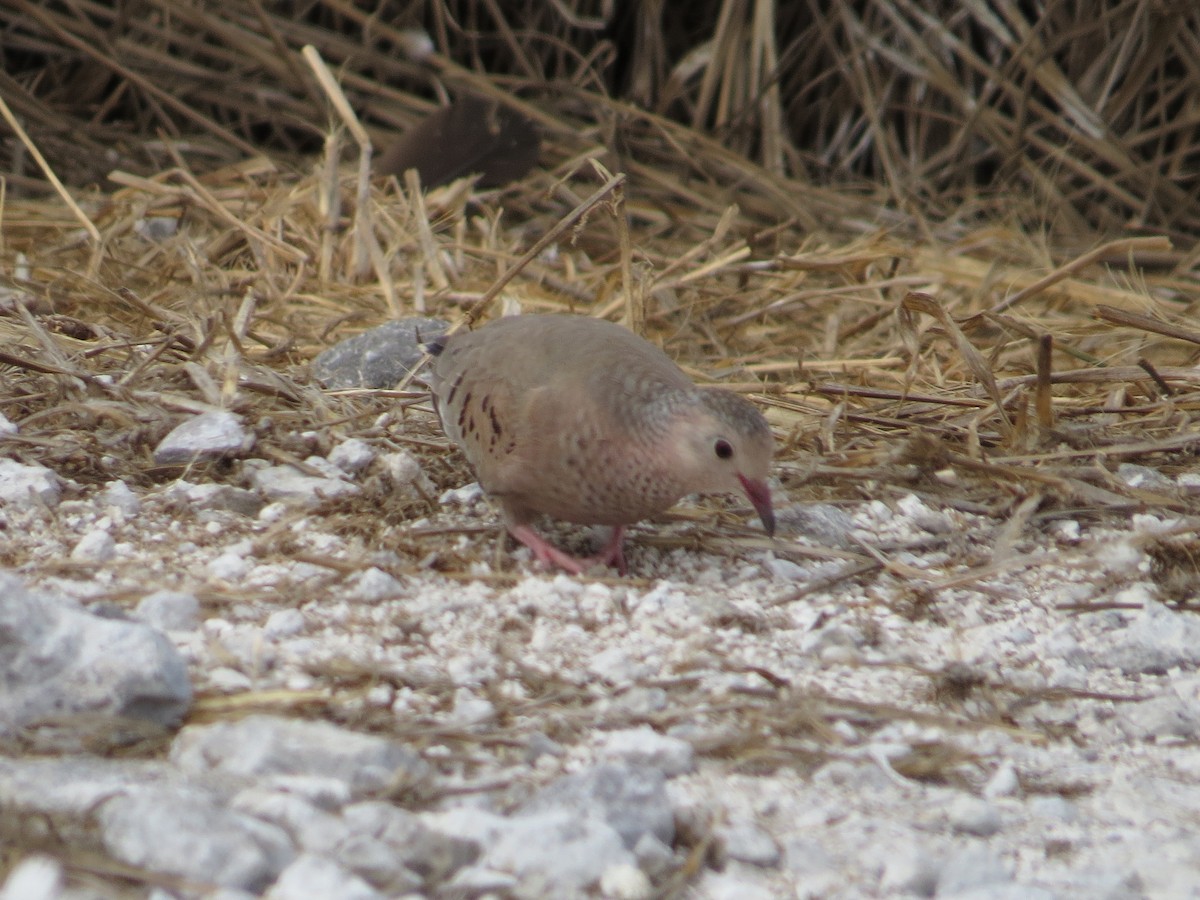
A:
[927, 730]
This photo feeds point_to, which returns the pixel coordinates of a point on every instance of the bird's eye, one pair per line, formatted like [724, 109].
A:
[723, 449]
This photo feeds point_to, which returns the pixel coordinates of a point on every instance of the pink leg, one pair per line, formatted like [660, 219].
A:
[547, 554]
[613, 553]
[550, 556]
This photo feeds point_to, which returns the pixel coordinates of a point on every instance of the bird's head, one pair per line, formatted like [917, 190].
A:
[726, 447]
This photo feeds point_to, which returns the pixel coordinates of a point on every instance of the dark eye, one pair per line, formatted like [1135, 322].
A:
[723, 449]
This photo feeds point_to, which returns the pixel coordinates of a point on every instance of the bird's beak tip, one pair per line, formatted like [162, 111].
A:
[760, 498]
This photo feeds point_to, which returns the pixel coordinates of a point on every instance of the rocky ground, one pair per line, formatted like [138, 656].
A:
[772, 719]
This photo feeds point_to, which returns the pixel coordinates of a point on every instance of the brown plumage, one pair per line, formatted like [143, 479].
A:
[582, 420]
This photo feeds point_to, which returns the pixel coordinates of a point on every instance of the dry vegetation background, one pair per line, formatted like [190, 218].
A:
[958, 235]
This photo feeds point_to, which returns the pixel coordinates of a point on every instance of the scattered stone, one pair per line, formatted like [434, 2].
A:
[737, 884]
[970, 815]
[467, 495]
[34, 878]
[310, 827]
[23, 487]
[748, 843]
[169, 611]
[625, 881]
[376, 862]
[909, 869]
[373, 586]
[118, 495]
[231, 566]
[217, 496]
[352, 455]
[208, 436]
[1166, 716]
[96, 546]
[1156, 638]
[479, 881]
[1143, 477]
[971, 868]
[184, 832]
[378, 358]
[404, 470]
[288, 484]
[556, 853]
[263, 746]
[413, 845]
[284, 623]
[311, 876]
[58, 661]
[646, 747]
[1004, 782]
[654, 857]
[821, 523]
[631, 799]
[156, 229]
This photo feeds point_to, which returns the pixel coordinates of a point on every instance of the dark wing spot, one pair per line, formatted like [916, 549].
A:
[496, 429]
[462, 413]
[454, 388]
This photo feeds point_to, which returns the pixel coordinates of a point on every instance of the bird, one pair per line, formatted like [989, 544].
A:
[581, 420]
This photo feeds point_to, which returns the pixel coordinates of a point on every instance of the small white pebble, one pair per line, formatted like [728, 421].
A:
[95, 546]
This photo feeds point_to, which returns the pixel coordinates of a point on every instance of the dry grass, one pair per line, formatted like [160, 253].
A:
[973, 361]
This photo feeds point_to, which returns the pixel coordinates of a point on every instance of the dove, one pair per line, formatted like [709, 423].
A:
[581, 420]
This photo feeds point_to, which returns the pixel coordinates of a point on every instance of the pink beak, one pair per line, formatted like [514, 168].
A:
[760, 498]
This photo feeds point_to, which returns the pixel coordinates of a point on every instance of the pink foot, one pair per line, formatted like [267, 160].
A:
[613, 553]
[550, 556]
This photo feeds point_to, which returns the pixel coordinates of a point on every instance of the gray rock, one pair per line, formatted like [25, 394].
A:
[208, 436]
[970, 815]
[430, 853]
[352, 455]
[1143, 477]
[289, 485]
[748, 843]
[909, 869]
[309, 827]
[479, 881]
[67, 787]
[216, 496]
[59, 662]
[376, 862]
[971, 868]
[284, 623]
[311, 876]
[625, 881]
[1166, 716]
[1007, 891]
[23, 487]
[184, 832]
[117, 495]
[259, 746]
[34, 878]
[169, 611]
[631, 799]
[378, 358]
[374, 585]
[646, 747]
[96, 546]
[1156, 639]
[556, 853]
[654, 857]
[824, 523]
